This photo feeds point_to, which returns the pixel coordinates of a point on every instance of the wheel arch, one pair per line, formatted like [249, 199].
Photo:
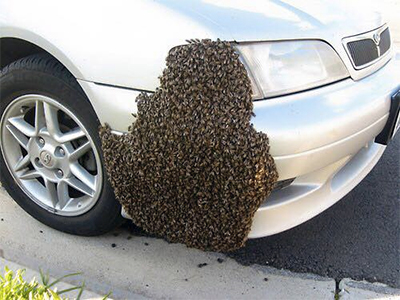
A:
[25, 42]
[112, 105]
[17, 46]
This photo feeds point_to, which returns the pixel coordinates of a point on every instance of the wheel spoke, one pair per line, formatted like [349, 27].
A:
[23, 126]
[31, 174]
[81, 150]
[51, 117]
[74, 134]
[80, 186]
[62, 194]
[40, 121]
[22, 163]
[19, 136]
[51, 192]
[83, 175]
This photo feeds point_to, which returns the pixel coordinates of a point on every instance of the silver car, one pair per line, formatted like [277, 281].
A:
[325, 83]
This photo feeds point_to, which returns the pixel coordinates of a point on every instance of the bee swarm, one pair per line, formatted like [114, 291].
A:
[192, 168]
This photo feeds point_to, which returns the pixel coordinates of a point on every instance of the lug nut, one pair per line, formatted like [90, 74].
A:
[38, 163]
[61, 151]
[23, 109]
[60, 173]
[41, 141]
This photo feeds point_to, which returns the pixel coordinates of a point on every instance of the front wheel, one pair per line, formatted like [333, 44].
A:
[50, 158]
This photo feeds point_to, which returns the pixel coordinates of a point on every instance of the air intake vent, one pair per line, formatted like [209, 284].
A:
[367, 48]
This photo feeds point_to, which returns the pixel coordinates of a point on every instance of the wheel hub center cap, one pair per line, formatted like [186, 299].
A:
[46, 158]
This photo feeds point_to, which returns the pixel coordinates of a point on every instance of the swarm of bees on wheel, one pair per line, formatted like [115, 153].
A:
[192, 168]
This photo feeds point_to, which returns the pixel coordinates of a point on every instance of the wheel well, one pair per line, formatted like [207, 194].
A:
[12, 49]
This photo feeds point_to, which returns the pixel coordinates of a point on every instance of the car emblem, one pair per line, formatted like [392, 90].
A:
[377, 38]
[45, 157]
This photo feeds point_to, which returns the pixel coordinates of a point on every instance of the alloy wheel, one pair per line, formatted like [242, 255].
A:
[50, 155]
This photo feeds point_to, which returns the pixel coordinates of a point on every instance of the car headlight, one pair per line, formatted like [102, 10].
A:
[279, 68]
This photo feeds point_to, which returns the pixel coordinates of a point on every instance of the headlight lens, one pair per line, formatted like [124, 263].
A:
[279, 68]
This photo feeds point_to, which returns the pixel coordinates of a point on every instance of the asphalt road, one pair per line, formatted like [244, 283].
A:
[359, 237]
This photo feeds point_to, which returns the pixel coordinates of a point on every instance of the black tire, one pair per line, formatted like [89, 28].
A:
[42, 74]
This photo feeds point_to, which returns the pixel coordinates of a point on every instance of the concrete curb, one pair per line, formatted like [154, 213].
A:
[351, 289]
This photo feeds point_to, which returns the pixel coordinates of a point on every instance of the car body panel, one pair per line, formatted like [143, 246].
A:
[313, 193]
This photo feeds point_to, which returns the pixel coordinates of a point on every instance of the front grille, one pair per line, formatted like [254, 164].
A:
[384, 45]
[366, 48]
[363, 51]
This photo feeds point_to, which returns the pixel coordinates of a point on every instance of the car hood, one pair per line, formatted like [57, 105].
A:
[124, 43]
[255, 20]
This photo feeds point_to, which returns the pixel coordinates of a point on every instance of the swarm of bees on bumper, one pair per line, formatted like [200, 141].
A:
[192, 168]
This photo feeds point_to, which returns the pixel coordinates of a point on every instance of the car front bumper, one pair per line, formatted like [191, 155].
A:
[324, 138]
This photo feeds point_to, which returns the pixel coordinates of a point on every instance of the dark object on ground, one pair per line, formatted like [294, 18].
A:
[202, 265]
[192, 168]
